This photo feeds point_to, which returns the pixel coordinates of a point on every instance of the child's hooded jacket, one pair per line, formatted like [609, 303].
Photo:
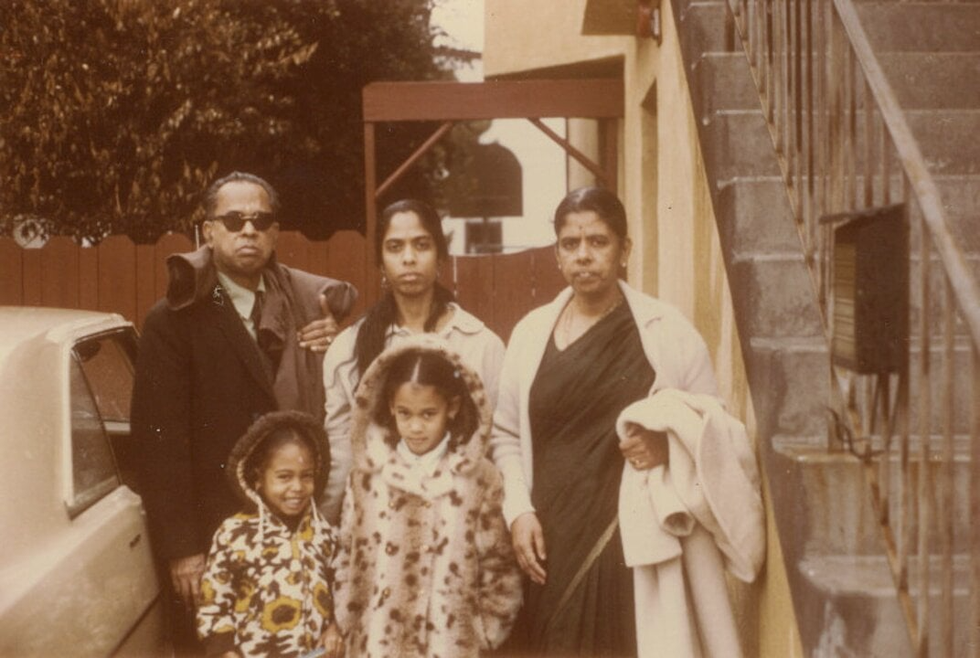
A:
[425, 565]
[266, 590]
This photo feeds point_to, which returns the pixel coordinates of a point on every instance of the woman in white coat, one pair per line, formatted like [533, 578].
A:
[410, 249]
[570, 369]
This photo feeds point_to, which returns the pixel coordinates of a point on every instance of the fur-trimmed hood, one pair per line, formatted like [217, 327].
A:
[372, 452]
[260, 431]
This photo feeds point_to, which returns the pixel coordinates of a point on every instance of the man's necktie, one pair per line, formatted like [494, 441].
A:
[256, 313]
[269, 354]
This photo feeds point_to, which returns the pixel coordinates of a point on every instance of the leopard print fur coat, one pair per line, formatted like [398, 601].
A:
[425, 565]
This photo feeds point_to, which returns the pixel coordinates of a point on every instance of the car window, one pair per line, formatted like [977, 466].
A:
[101, 389]
[93, 468]
[107, 362]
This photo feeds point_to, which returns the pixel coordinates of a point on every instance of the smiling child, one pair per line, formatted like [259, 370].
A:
[267, 586]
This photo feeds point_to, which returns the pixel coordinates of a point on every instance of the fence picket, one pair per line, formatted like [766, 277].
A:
[172, 243]
[474, 287]
[547, 279]
[11, 275]
[512, 275]
[117, 277]
[293, 249]
[346, 260]
[31, 281]
[88, 277]
[59, 273]
[145, 279]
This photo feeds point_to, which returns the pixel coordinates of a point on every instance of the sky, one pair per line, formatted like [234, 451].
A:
[542, 161]
[462, 20]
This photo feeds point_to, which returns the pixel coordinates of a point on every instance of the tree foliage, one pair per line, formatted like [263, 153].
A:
[116, 114]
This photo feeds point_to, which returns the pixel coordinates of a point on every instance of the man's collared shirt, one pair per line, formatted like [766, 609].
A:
[243, 300]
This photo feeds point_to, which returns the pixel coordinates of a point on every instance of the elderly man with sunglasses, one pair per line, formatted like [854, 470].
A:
[237, 335]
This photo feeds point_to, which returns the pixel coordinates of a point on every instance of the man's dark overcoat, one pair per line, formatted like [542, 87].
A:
[201, 380]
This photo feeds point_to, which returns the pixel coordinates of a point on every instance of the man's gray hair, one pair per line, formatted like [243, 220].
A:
[211, 195]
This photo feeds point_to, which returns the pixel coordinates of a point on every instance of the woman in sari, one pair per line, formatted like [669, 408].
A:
[571, 367]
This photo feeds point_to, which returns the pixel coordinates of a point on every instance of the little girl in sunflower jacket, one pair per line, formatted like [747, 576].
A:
[425, 565]
[266, 589]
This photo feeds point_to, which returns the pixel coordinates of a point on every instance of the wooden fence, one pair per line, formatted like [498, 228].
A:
[122, 277]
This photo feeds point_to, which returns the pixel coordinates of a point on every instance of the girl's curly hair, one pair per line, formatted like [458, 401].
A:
[278, 428]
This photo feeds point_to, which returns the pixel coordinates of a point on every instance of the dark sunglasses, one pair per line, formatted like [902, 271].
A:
[234, 221]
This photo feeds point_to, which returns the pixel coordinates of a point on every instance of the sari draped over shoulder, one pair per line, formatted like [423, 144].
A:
[586, 606]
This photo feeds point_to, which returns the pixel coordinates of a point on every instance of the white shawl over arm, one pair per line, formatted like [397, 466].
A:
[707, 503]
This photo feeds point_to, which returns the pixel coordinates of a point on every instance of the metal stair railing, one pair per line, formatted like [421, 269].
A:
[841, 138]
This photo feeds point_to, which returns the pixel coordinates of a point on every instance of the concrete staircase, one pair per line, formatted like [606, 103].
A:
[842, 591]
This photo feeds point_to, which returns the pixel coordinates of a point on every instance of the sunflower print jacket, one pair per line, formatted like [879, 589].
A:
[424, 563]
[266, 589]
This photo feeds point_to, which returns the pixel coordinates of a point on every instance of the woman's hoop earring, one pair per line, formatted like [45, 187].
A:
[384, 280]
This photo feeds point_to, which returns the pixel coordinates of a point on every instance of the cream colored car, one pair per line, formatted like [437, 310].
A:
[76, 572]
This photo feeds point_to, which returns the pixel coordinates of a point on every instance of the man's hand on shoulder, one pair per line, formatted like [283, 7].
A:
[317, 335]
[186, 573]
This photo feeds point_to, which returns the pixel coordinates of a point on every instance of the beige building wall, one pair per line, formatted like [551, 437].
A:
[677, 254]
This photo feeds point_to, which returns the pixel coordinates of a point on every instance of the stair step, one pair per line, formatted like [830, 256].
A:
[946, 80]
[737, 142]
[962, 378]
[949, 26]
[755, 216]
[861, 615]
[826, 524]
[777, 295]
[722, 81]
[890, 26]
[825, 477]
[706, 27]
[948, 139]
[749, 204]
[790, 384]
[934, 80]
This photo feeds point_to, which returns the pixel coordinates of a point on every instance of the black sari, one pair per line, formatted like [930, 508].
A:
[586, 606]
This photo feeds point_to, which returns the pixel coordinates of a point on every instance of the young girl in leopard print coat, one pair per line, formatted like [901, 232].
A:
[425, 565]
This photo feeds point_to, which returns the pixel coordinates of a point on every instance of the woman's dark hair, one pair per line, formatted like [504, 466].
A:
[428, 369]
[373, 332]
[278, 429]
[600, 201]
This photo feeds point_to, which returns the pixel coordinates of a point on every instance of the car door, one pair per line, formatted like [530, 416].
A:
[77, 577]
[102, 504]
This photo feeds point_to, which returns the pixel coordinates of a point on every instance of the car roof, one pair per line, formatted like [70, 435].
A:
[19, 324]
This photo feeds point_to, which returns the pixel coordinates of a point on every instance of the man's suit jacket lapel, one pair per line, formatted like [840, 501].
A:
[241, 341]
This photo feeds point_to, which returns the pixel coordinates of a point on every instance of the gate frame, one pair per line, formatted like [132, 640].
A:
[451, 102]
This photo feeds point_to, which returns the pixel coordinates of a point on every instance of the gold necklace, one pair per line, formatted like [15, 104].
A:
[566, 325]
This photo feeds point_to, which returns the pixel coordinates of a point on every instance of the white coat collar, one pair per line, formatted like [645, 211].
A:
[645, 309]
[461, 321]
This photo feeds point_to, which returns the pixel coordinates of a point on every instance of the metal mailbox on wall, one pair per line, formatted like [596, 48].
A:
[870, 302]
